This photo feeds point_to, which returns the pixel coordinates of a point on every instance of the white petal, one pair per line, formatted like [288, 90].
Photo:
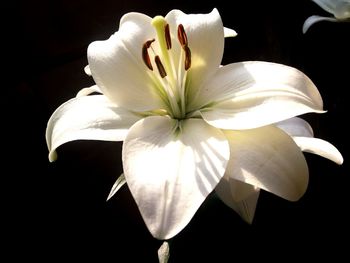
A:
[296, 127]
[118, 68]
[228, 32]
[339, 8]
[319, 147]
[269, 159]
[170, 167]
[327, 5]
[88, 91]
[253, 94]
[116, 186]
[240, 196]
[315, 19]
[205, 33]
[87, 70]
[302, 135]
[342, 10]
[87, 118]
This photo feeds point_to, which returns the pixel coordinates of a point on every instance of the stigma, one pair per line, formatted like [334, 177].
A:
[164, 40]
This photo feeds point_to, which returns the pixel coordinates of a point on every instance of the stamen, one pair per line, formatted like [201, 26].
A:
[181, 35]
[159, 24]
[160, 67]
[145, 55]
[167, 36]
[187, 57]
[149, 42]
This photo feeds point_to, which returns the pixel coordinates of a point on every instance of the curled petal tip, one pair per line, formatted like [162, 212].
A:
[87, 70]
[319, 147]
[315, 19]
[117, 185]
[87, 91]
[338, 157]
[340, 160]
[52, 156]
[228, 32]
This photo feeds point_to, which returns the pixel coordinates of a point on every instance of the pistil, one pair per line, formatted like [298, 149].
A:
[164, 42]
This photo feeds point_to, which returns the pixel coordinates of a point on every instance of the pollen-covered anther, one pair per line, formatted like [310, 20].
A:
[167, 36]
[181, 35]
[160, 67]
[187, 57]
[145, 55]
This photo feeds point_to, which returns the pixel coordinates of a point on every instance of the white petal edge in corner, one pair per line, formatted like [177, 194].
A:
[87, 70]
[252, 94]
[170, 167]
[327, 5]
[239, 196]
[87, 118]
[116, 186]
[228, 32]
[315, 19]
[269, 159]
[88, 91]
[296, 127]
[319, 147]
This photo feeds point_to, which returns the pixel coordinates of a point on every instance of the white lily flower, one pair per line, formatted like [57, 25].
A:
[184, 119]
[340, 9]
[242, 195]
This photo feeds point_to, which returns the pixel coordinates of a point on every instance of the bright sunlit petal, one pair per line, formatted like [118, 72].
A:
[269, 159]
[170, 167]
[87, 118]
[247, 95]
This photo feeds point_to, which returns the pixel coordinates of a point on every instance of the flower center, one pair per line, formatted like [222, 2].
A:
[172, 67]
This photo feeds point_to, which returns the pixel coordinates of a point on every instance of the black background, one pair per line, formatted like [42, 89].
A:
[58, 211]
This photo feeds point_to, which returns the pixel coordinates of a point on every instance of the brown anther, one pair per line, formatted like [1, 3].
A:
[160, 67]
[167, 36]
[149, 42]
[145, 55]
[181, 35]
[187, 57]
